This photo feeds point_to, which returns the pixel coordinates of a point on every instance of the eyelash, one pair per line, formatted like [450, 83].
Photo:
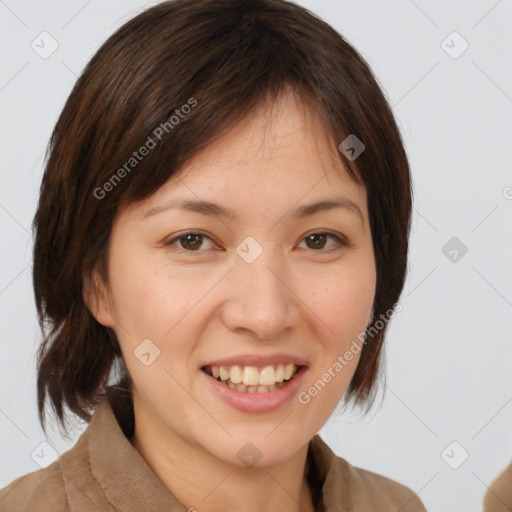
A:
[341, 242]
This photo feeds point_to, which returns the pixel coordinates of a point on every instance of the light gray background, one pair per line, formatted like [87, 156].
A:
[449, 349]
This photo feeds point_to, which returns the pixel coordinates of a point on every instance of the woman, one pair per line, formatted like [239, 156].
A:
[224, 218]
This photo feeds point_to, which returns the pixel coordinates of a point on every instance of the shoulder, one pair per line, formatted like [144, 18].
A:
[357, 488]
[378, 489]
[40, 490]
[65, 485]
[498, 497]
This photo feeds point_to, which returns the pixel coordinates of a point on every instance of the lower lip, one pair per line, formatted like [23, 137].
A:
[256, 402]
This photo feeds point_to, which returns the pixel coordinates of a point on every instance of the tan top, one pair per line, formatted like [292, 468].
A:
[498, 497]
[104, 472]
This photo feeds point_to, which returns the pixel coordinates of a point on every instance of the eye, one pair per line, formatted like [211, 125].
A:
[316, 241]
[191, 241]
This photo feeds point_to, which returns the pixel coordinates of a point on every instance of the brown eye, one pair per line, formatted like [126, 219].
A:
[189, 242]
[193, 241]
[317, 241]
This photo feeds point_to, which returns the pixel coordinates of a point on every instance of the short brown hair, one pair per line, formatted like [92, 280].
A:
[229, 56]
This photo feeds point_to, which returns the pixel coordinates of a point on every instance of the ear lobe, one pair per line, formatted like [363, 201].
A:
[95, 297]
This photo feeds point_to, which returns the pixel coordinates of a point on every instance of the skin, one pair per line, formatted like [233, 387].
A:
[206, 302]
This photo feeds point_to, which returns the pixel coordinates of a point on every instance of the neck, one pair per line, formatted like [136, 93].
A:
[202, 482]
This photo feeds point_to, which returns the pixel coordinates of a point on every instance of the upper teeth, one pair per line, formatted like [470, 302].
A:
[251, 376]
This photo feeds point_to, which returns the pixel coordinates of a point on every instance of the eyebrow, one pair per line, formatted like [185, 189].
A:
[216, 210]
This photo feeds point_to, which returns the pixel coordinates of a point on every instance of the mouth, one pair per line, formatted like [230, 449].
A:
[253, 379]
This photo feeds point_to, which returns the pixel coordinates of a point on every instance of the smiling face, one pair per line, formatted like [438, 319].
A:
[259, 277]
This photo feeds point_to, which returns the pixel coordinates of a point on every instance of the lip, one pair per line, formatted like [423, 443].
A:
[256, 402]
[257, 361]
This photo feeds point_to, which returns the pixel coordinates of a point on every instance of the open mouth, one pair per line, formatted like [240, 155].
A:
[250, 379]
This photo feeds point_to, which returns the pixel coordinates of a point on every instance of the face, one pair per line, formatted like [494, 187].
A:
[191, 290]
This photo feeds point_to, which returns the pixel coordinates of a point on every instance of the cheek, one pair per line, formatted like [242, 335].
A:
[146, 303]
[343, 303]
[156, 307]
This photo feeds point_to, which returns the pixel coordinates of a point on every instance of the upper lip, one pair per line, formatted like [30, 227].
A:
[255, 360]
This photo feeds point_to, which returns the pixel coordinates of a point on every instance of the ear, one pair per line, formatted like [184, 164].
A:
[96, 298]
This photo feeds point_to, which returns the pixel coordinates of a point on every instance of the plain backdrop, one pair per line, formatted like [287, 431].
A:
[444, 428]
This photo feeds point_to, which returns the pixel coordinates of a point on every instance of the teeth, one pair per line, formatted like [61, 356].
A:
[251, 376]
[235, 374]
[267, 376]
[248, 379]
[280, 373]
[224, 375]
[288, 371]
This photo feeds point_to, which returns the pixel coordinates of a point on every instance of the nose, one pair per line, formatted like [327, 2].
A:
[260, 299]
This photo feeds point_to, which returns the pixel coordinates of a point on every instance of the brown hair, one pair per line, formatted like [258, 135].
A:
[229, 57]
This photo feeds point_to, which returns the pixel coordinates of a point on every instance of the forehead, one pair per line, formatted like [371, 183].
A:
[286, 134]
[278, 155]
